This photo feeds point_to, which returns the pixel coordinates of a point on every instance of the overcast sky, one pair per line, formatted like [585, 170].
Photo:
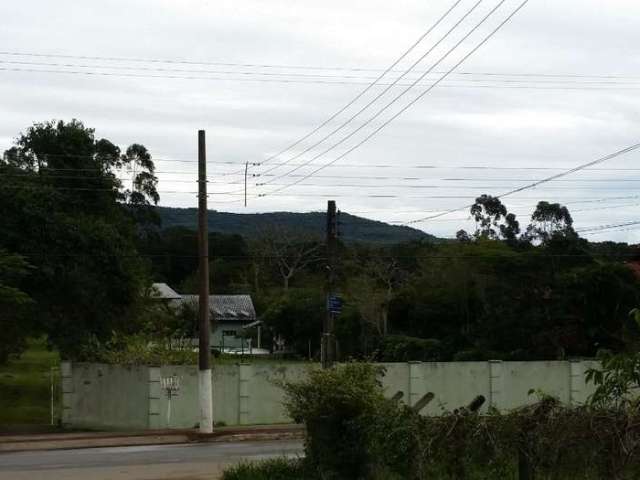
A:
[579, 100]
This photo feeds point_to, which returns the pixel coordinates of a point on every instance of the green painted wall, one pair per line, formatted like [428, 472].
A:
[109, 396]
[117, 397]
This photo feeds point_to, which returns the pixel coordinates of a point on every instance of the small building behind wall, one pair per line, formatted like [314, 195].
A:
[229, 314]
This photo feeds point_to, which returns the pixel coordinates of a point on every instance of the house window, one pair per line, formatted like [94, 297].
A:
[228, 333]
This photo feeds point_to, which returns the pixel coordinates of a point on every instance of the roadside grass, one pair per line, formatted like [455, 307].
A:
[272, 469]
[25, 388]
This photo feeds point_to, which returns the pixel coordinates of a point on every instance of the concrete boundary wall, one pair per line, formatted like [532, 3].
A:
[122, 397]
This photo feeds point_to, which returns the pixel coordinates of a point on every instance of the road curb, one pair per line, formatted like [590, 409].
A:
[152, 438]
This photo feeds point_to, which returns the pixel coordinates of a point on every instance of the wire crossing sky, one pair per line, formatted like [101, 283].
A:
[558, 85]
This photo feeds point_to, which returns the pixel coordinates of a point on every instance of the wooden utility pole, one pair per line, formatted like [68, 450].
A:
[205, 388]
[328, 342]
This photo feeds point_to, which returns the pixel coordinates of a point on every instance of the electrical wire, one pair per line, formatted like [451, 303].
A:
[319, 185]
[367, 88]
[395, 99]
[494, 85]
[412, 102]
[383, 92]
[607, 227]
[309, 195]
[537, 183]
[379, 166]
[294, 67]
[493, 78]
[98, 156]
[600, 232]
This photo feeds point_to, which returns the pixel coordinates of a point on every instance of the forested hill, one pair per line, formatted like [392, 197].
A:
[352, 228]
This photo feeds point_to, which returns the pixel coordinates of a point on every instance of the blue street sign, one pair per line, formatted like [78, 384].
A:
[334, 304]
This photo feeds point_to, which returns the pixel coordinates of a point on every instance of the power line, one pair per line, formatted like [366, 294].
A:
[494, 79]
[97, 156]
[301, 67]
[494, 85]
[412, 102]
[367, 88]
[396, 98]
[520, 213]
[532, 205]
[292, 195]
[371, 166]
[539, 182]
[352, 194]
[98, 178]
[379, 95]
[600, 232]
[607, 227]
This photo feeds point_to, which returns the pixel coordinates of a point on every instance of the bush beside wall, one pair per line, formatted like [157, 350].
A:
[355, 433]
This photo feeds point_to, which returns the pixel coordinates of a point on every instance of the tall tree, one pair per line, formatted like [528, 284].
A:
[492, 219]
[289, 251]
[65, 210]
[374, 289]
[550, 220]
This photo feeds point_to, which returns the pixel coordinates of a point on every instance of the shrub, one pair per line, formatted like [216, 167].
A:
[137, 350]
[355, 433]
[333, 404]
[400, 348]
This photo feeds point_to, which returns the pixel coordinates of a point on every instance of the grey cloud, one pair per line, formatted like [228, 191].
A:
[250, 121]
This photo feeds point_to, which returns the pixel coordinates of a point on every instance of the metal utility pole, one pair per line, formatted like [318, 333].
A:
[328, 341]
[205, 388]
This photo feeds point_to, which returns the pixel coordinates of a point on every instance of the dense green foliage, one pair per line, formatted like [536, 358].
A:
[79, 248]
[15, 305]
[544, 295]
[64, 210]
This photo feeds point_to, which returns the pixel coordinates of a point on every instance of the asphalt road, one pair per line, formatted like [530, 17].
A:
[184, 462]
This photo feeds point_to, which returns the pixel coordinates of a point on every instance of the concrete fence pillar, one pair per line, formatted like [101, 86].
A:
[66, 373]
[154, 397]
[245, 371]
[576, 382]
[496, 384]
[415, 383]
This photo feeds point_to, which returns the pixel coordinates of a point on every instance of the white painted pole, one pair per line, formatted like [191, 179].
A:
[206, 401]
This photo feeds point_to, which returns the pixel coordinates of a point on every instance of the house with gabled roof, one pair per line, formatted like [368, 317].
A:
[229, 314]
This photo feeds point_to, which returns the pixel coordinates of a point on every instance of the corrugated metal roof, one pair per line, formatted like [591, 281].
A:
[226, 307]
[164, 291]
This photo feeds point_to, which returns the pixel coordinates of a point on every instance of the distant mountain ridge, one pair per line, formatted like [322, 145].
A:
[352, 228]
